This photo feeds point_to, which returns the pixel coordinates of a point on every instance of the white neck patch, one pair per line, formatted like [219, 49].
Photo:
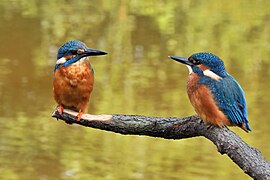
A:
[62, 60]
[211, 74]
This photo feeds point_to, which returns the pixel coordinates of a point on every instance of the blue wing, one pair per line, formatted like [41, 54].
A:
[230, 98]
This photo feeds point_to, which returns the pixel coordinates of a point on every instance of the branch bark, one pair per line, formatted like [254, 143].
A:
[249, 159]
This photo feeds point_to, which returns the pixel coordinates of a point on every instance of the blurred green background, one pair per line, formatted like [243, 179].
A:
[136, 77]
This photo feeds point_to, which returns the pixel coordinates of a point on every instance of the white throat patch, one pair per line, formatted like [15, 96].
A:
[81, 60]
[211, 74]
[189, 69]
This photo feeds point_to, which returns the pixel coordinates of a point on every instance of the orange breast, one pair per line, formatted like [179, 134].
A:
[73, 84]
[203, 102]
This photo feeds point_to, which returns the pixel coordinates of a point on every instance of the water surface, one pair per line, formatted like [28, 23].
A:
[136, 77]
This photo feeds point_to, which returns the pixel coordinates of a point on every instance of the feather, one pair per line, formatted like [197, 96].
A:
[229, 97]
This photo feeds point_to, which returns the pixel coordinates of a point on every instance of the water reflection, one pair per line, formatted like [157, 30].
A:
[136, 77]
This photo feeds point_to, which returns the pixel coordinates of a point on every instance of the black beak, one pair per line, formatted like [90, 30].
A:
[181, 60]
[94, 52]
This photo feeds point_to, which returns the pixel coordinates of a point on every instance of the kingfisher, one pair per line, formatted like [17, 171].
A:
[215, 95]
[74, 76]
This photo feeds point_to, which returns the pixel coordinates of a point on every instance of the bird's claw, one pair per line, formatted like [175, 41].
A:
[79, 116]
[60, 110]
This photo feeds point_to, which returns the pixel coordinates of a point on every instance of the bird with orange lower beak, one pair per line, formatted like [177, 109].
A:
[215, 95]
[74, 76]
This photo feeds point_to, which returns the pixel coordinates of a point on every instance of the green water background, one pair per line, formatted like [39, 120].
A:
[136, 77]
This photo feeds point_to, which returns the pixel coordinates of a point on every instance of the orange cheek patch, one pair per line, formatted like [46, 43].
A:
[69, 57]
[202, 67]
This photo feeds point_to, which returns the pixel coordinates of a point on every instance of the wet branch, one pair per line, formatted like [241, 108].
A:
[249, 159]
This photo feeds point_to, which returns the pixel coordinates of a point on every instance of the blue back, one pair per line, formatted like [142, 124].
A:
[229, 97]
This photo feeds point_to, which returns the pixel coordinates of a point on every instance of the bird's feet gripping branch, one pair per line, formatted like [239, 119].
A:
[74, 76]
[215, 95]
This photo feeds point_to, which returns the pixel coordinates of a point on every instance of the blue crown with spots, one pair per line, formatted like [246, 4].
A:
[210, 60]
[70, 48]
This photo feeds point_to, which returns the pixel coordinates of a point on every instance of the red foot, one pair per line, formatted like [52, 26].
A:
[79, 116]
[61, 109]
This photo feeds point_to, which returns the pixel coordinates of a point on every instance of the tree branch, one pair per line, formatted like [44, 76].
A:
[249, 159]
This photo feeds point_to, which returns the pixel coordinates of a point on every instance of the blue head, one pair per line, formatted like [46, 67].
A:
[73, 51]
[204, 63]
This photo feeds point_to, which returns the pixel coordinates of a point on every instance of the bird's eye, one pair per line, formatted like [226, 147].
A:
[73, 52]
[194, 61]
[80, 51]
